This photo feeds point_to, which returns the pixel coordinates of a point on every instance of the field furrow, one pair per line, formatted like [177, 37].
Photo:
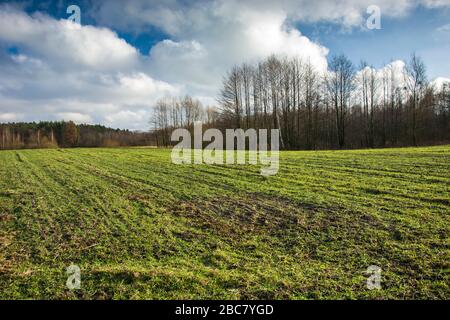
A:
[139, 226]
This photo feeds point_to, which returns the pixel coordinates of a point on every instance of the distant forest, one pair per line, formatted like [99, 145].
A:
[67, 135]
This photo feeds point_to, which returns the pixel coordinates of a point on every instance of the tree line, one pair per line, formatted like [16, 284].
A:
[171, 113]
[67, 135]
[345, 107]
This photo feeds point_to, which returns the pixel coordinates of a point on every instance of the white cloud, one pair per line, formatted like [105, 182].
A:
[10, 117]
[75, 117]
[127, 118]
[71, 72]
[65, 42]
[439, 82]
[224, 34]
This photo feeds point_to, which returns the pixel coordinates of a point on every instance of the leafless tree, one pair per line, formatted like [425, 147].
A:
[416, 82]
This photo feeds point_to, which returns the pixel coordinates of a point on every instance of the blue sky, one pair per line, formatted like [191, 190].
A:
[397, 39]
[127, 54]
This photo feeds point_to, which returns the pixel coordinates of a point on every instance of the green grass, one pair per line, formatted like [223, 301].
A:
[141, 227]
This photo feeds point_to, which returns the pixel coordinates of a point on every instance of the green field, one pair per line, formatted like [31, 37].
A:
[140, 227]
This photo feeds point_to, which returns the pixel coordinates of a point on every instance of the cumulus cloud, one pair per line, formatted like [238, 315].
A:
[438, 83]
[395, 71]
[127, 118]
[75, 116]
[64, 71]
[10, 117]
[225, 34]
[65, 42]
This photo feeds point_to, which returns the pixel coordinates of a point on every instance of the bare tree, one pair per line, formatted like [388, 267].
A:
[340, 84]
[416, 81]
[230, 96]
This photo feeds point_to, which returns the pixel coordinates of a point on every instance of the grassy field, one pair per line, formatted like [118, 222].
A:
[139, 226]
